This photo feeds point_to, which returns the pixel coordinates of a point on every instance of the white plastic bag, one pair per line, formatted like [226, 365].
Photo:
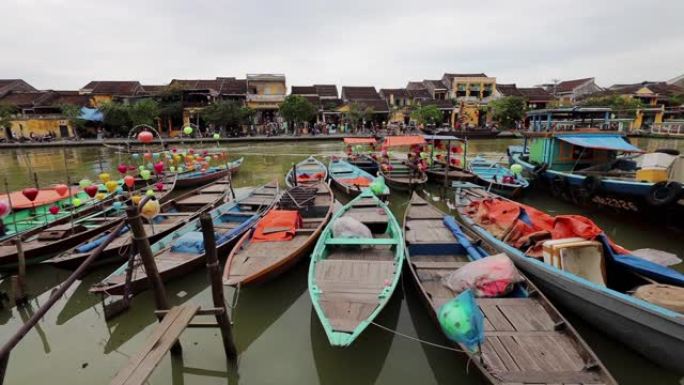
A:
[348, 227]
[492, 276]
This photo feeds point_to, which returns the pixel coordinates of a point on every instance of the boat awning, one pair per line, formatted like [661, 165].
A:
[602, 142]
[359, 140]
[441, 137]
[393, 141]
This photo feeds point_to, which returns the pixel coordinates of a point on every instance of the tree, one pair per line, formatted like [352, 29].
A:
[6, 112]
[144, 111]
[508, 110]
[427, 114]
[297, 109]
[227, 114]
[72, 113]
[115, 117]
[622, 106]
[354, 115]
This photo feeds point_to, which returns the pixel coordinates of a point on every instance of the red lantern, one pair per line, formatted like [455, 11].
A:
[91, 190]
[159, 186]
[129, 181]
[147, 155]
[53, 210]
[174, 150]
[132, 167]
[61, 189]
[122, 168]
[30, 193]
[159, 167]
[145, 137]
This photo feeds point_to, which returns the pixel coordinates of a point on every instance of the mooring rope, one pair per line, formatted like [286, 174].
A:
[436, 345]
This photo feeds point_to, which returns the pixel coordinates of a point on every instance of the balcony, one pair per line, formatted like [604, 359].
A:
[265, 98]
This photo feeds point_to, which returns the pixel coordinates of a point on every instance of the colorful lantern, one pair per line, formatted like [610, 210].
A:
[172, 169]
[159, 186]
[111, 185]
[5, 209]
[104, 177]
[91, 190]
[122, 168]
[136, 199]
[100, 196]
[117, 206]
[145, 174]
[85, 183]
[217, 136]
[145, 137]
[187, 130]
[61, 189]
[149, 193]
[53, 210]
[135, 155]
[159, 167]
[516, 169]
[76, 202]
[129, 181]
[150, 209]
[30, 193]
[147, 156]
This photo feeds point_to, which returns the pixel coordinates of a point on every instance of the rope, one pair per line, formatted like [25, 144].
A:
[236, 297]
[433, 344]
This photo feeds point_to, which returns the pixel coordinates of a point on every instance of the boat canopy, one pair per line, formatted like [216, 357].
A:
[430, 138]
[602, 142]
[359, 140]
[395, 141]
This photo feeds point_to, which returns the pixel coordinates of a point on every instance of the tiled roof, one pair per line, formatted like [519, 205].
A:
[153, 89]
[535, 94]
[221, 85]
[44, 98]
[441, 104]
[331, 104]
[326, 90]
[113, 87]
[508, 90]
[475, 75]
[661, 88]
[420, 93]
[570, 85]
[304, 90]
[434, 84]
[313, 99]
[359, 93]
[415, 86]
[397, 92]
[7, 85]
[378, 105]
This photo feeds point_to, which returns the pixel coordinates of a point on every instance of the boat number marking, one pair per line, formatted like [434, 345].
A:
[615, 203]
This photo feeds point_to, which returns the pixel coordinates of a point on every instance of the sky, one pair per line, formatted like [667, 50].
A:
[63, 44]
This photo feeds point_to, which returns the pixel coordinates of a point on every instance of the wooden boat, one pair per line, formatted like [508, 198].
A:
[351, 179]
[403, 178]
[255, 261]
[649, 328]
[359, 153]
[436, 173]
[526, 339]
[182, 251]
[174, 214]
[365, 162]
[309, 171]
[26, 218]
[497, 178]
[41, 243]
[198, 178]
[352, 279]
[445, 159]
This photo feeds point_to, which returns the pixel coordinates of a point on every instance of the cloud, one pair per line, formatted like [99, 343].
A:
[64, 44]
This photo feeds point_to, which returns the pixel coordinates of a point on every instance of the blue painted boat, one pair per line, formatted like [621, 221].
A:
[350, 179]
[598, 169]
[654, 331]
[182, 251]
[436, 246]
[497, 178]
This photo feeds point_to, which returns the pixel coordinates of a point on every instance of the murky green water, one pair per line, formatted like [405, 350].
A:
[278, 335]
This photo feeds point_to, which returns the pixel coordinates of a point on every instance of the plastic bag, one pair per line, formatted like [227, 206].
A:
[462, 321]
[378, 186]
[492, 276]
[348, 227]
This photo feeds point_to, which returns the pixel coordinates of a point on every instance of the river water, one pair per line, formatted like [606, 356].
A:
[279, 338]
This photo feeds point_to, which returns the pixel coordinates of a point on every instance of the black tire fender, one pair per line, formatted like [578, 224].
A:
[591, 184]
[669, 151]
[540, 168]
[663, 193]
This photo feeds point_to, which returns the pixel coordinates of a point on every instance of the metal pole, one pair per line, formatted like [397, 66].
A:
[222, 318]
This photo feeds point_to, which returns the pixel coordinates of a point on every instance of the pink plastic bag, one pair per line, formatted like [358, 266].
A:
[492, 276]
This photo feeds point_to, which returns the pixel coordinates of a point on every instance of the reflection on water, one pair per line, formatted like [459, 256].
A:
[279, 338]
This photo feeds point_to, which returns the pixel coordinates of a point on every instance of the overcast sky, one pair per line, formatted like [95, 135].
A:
[63, 44]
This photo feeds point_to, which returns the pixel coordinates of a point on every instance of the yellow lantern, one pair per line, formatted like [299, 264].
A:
[136, 199]
[104, 177]
[150, 209]
[100, 196]
[111, 185]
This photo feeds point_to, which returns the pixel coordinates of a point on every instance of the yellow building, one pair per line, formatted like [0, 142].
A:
[472, 93]
[654, 96]
[265, 93]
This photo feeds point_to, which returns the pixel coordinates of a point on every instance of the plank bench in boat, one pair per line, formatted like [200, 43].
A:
[140, 366]
[199, 199]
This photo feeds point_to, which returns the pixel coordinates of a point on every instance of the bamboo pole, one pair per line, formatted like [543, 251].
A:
[18, 283]
[222, 318]
[54, 297]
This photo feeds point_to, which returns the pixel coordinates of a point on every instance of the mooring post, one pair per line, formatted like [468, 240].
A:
[213, 270]
[19, 288]
[143, 246]
[447, 167]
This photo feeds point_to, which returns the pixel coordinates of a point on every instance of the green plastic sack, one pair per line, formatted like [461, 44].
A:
[462, 321]
[378, 186]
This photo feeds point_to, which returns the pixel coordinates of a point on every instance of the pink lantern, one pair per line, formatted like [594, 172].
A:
[159, 186]
[30, 193]
[159, 167]
[145, 137]
[122, 168]
[54, 210]
[4, 209]
[61, 189]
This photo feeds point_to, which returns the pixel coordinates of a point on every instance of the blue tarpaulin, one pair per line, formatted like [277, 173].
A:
[91, 114]
[602, 141]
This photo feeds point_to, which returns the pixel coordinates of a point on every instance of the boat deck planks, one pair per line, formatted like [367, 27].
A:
[140, 366]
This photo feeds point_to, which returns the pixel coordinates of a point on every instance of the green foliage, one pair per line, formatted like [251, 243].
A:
[677, 100]
[354, 115]
[508, 110]
[143, 112]
[622, 106]
[227, 114]
[6, 112]
[297, 109]
[72, 113]
[428, 114]
[116, 117]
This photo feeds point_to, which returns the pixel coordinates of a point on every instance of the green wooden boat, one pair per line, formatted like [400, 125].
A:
[352, 279]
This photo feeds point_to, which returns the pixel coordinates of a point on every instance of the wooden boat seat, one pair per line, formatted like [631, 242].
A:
[449, 265]
[361, 241]
[199, 199]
